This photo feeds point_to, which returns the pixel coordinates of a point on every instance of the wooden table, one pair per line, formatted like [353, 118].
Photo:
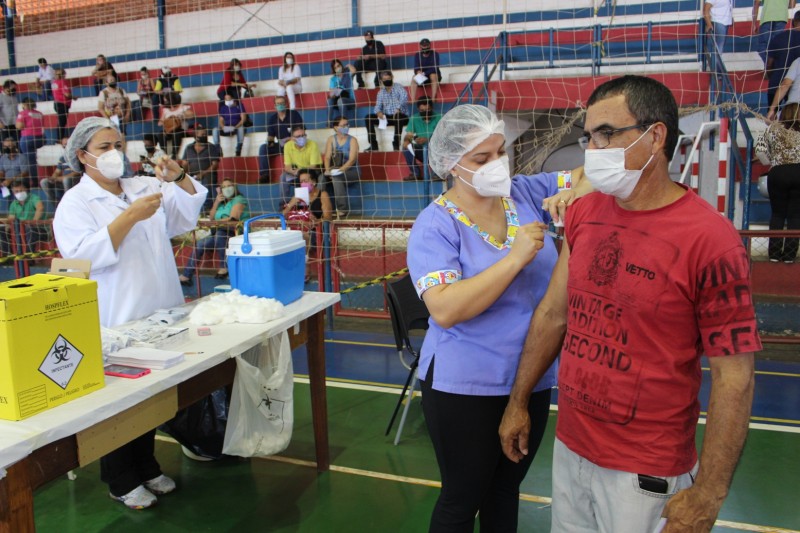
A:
[50, 444]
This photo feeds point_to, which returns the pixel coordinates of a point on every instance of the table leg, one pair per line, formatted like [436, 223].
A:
[16, 500]
[315, 349]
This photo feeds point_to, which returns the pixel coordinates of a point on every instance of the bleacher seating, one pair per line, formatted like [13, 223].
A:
[519, 90]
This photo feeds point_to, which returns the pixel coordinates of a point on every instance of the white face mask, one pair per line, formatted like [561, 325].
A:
[228, 192]
[605, 170]
[237, 68]
[289, 61]
[21, 196]
[491, 179]
[110, 164]
[229, 103]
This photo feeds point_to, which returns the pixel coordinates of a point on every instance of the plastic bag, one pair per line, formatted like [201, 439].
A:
[262, 403]
[201, 426]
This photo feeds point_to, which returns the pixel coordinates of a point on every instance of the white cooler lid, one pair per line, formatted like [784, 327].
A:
[267, 242]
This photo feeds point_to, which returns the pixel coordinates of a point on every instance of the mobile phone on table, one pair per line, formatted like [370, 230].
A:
[124, 371]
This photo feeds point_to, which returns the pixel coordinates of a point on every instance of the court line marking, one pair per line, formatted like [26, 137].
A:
[756, 421]
[437, 484]
[741, 526]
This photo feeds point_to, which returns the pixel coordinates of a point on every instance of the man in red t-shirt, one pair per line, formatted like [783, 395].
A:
[650, 278]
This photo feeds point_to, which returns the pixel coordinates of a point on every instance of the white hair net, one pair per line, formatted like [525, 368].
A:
[80, 138]
[460, 130]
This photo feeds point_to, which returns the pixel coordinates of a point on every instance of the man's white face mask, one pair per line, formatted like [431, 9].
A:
[605, 170]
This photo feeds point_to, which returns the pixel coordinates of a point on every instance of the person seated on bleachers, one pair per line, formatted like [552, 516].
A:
[372, 59]
[62, 179]
[418, 132]
[153, 154]
[146, 89]
[229, 205]
[341, 164]
[201, 161]
[392, 106]
[62, 100]
[113, 103]
[30, 123]
[231, 120]
[25, 206]
[9, 105]
[341, 98]
[290, 80]
[234, 82]
[318, 208]
[299, 152]
[102, 69]
[426, 64]
[12, 164]
[44, 79]
[174, 122]
[167, 84]
[279, 131]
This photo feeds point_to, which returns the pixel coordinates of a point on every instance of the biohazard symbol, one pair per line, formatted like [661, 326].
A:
[61, 353]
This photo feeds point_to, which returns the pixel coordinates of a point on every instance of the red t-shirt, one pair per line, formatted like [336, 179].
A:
[649, 292]
[61, 91]
[32, 123]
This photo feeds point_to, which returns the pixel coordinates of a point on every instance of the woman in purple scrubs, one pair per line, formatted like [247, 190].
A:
[481, 261]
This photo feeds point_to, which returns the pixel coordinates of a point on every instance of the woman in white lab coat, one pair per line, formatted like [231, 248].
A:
[124, 227]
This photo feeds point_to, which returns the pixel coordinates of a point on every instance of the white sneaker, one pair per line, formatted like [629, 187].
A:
[138, 498]
[193, 456]
[160, 485]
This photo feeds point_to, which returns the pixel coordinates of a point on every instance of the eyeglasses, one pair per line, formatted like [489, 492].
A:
[602, 138]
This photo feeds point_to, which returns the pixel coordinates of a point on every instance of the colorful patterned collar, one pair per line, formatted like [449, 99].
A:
[512, 221]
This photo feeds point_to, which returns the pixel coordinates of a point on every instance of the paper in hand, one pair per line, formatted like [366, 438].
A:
[115, 120]
[411, 149]
[302, 193]
[5, 192]
[420, 78]
[383, 123]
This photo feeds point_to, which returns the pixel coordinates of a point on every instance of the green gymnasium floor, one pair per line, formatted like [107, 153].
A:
[373, 485]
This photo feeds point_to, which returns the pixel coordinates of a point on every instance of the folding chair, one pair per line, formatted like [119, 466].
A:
[408, 313]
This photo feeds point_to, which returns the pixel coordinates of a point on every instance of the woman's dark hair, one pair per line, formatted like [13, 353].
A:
[335, 122]
[648, 100]
[144, 69]
[789, 116]
[287, 54]
[311, 174]
[233, 63]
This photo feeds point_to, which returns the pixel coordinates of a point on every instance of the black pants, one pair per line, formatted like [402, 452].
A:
[476, 476]
[130, 465]
[783, 186]
[398, 120]
[62, 110]
[370, 65]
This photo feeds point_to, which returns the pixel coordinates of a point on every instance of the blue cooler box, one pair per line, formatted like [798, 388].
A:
[269, 263]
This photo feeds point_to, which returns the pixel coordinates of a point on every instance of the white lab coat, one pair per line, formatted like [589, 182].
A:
[141, 276]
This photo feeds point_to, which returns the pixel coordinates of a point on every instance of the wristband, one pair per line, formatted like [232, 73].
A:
[180, 178]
